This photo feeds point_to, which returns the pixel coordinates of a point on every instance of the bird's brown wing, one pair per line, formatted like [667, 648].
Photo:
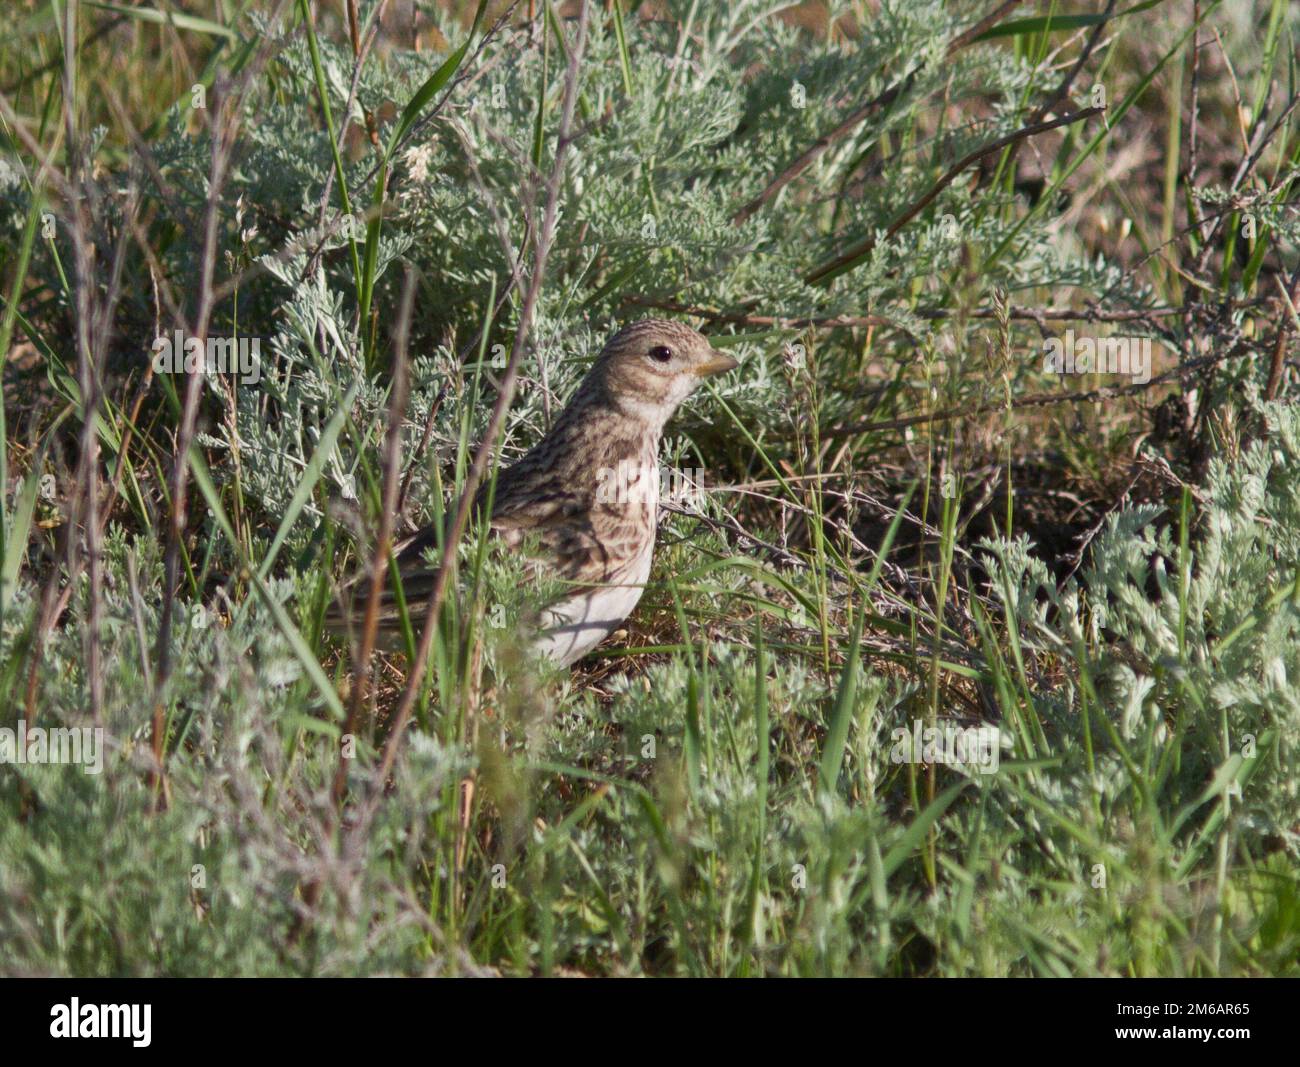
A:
[523, 510]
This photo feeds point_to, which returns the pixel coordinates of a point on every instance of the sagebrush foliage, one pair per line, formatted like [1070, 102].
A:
[675, 815]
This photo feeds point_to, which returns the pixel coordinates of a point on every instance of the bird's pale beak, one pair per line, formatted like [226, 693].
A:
[718, 363]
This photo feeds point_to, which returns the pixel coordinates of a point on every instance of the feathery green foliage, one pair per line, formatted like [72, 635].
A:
[721, 790]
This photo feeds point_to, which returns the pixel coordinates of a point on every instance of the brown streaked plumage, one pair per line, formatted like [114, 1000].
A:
[587, 493]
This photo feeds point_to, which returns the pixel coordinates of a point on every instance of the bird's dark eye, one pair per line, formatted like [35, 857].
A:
[661, 353]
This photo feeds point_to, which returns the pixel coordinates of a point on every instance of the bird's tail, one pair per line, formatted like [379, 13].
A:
[408, 592]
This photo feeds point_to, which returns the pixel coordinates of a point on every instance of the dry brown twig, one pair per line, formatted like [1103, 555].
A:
[1290, 296]
[833, 267]
[223, 125]
[545, 239]
[1106, 392]
[795, 322]
[859, 114]
[383, 542]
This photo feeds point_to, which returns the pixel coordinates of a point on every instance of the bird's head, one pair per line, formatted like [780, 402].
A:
[648, 368]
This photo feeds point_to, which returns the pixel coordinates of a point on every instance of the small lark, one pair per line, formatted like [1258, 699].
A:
[596, 537]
